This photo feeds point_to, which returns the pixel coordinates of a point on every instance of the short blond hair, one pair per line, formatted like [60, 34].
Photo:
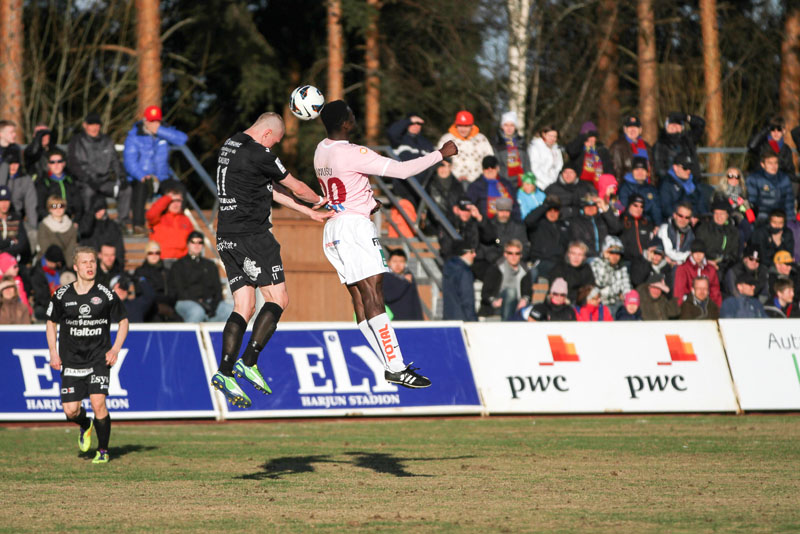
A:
[55, 198]
[83, 250]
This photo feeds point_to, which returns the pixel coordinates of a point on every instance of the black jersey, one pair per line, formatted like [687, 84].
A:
[84, 323]
[245, 172]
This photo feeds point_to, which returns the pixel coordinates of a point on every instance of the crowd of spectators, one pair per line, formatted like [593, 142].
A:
[625, 232]
[53, 200]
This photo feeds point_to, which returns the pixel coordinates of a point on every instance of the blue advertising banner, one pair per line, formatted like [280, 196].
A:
[318, 369]
[161, 373]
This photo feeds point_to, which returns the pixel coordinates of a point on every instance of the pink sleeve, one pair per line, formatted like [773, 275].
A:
[373, 163]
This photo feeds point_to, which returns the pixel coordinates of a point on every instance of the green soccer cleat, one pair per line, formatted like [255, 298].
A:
[85, 437]
[101, 457]
[252, 375]
[228, 386]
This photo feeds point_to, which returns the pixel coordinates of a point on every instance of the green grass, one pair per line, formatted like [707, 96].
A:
[588, 474]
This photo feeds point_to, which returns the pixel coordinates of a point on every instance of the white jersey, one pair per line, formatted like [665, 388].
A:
[343, 171]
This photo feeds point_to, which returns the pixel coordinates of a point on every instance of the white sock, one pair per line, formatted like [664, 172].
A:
[366, 331]
[387, 342]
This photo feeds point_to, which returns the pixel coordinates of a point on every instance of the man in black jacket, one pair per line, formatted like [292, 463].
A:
[13, 236]
[96, 229]
[574, 270]
[720, 236]
[751, 265]
[92, 159]
[674, 139]
[408, 143]
[593, 223]
[473, 228]
[194, 283]
[569, 191]
[773, 138]
[637, 230]
[548, 235]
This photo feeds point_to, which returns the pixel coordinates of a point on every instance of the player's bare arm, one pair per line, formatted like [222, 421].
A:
[303, 192]
[122, 333]
[290, 203]
[52, 335]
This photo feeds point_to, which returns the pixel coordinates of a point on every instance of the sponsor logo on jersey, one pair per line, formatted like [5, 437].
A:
[251, 269]
[85, 309]
[69, 371]
[49, 309]
[71, 303]
[222, 244]
[277, 268]
[96, 301]
[279, 165]
[98, 379]
[234, 280]
[66, 391]
[61, 291]
[85, 331]
[105, 290]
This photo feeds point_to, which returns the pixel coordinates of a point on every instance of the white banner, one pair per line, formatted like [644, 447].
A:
[764, 356]
[563, 367]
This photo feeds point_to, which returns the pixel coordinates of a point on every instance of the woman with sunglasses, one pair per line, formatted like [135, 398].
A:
[734, 192]
[58, 229]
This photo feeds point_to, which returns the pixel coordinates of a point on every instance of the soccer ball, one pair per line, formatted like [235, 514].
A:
[306, 102]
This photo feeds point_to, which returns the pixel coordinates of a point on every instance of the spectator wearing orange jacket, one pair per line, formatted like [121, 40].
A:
[169, 226]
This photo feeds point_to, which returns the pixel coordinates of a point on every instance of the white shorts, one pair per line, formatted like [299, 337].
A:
[352, 246]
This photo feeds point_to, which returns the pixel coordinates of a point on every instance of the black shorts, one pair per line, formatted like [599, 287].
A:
[77, 384]
[251, 260]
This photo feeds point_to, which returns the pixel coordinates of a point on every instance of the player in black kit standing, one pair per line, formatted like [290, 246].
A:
[246, 171]
[79, 321]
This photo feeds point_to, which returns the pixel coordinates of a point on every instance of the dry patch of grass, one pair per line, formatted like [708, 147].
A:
[646, 474]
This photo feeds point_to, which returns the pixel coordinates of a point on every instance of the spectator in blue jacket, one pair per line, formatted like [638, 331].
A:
[744, 305]
[458, 292]
[489, 187]
[769, 189]
[635, 183]
[146, 159]
[680, 185]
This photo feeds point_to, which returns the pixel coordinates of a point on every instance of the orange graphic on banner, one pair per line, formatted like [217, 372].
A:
[679, 351]
[561, 350]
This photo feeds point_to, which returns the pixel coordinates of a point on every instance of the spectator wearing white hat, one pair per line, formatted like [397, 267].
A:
[511, 150]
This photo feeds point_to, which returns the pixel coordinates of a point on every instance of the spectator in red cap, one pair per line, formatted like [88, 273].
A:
[147, 159]
[472, 145]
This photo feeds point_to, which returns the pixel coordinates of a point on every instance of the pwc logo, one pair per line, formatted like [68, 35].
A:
[561, 351]
[679, 351]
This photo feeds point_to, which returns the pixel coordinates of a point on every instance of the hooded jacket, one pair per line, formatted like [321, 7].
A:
[670, 145]
[548, 239]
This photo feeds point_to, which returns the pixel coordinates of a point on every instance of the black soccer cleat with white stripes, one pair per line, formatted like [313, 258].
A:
[408, 378]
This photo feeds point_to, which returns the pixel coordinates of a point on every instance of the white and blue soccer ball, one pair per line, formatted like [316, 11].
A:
[306, 102]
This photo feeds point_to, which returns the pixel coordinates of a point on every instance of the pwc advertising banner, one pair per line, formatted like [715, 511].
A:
[764, 357]
[161, 372]
[328, 369]
[600, 367]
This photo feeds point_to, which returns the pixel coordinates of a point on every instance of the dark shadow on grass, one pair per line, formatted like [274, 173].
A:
[390, 464]
[287, 465]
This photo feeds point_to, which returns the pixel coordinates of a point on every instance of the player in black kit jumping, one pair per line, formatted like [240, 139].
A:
[79, 321]
[246, 171]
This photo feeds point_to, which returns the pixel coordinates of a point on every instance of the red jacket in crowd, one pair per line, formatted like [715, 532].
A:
[170, 230]
[688, 271]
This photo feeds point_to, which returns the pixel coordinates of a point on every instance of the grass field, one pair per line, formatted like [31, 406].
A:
[542, 474]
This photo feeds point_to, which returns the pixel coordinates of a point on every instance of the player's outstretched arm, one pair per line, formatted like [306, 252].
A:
[303, 192]
[290, 203]
[372, 163]
[52, 338]
[122, 333]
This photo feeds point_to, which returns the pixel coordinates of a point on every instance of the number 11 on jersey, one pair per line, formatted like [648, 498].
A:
[221, 171]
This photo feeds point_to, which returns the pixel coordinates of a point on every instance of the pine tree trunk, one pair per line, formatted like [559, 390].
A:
[648, 70]
[372, 103]
[519, 15]
[11, 47]
[335, 52]
[608, 119]
[148, 47]
[714, 118]
[790, 71]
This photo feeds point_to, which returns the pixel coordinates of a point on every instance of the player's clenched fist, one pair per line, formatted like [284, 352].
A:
[449, 149]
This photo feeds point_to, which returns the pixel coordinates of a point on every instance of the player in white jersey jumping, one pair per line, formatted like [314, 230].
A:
[350, 237]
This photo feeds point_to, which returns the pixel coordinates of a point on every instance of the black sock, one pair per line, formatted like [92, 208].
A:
[232, 336]
[263, 327]
[103, 427]
[81, 419]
